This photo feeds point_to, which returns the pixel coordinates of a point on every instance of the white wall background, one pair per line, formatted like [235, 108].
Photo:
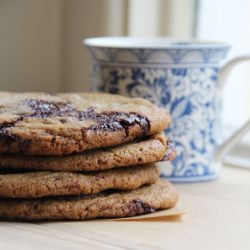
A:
[40, 40]
[227, 20]
[30, 48]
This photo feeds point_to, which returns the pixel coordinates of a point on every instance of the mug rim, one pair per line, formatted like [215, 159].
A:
[128, 42]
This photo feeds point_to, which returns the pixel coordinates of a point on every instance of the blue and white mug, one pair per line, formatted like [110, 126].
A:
[186, 78]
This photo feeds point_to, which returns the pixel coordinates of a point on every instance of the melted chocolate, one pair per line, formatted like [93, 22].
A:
[44, 109]
[138, 206]
[108, 121]
[4, 133]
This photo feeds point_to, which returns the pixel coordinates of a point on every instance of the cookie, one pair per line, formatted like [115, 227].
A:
[42, 184]
[144, 200]
[141, 152]
[60, 124]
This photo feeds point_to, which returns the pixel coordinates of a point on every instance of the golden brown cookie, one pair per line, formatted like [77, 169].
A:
[150, 150]
[147, 199]
[60, 124]
[41, 184]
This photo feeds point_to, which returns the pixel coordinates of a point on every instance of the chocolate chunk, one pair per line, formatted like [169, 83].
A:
[6, 137]
[118, 120]
[45, 109]
[138, 206]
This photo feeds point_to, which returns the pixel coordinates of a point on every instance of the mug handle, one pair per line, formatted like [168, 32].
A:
[236, 136]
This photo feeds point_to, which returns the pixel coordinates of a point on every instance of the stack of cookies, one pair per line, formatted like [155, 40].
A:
[81, 156]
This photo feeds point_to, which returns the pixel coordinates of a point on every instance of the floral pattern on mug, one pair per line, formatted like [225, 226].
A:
[189, 95]
[182, 79]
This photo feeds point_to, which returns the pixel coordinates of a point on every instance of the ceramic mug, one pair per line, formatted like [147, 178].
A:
[185, 78]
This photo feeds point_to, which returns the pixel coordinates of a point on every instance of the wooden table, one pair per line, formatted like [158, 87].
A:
[217, 217]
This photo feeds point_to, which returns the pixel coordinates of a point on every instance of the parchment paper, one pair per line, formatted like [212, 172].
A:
[162, 215]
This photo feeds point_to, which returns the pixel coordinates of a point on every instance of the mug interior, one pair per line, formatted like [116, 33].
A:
[152, 42]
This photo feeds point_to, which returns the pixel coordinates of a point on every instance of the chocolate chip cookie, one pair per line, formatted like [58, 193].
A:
[61, 124]
[147, 199]
[40, 184]
[150, 150]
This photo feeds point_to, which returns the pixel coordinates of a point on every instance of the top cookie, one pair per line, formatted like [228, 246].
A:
[60, 124]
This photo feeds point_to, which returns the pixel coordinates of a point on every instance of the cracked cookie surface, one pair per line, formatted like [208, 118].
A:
[60, 124]
[146, 199]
